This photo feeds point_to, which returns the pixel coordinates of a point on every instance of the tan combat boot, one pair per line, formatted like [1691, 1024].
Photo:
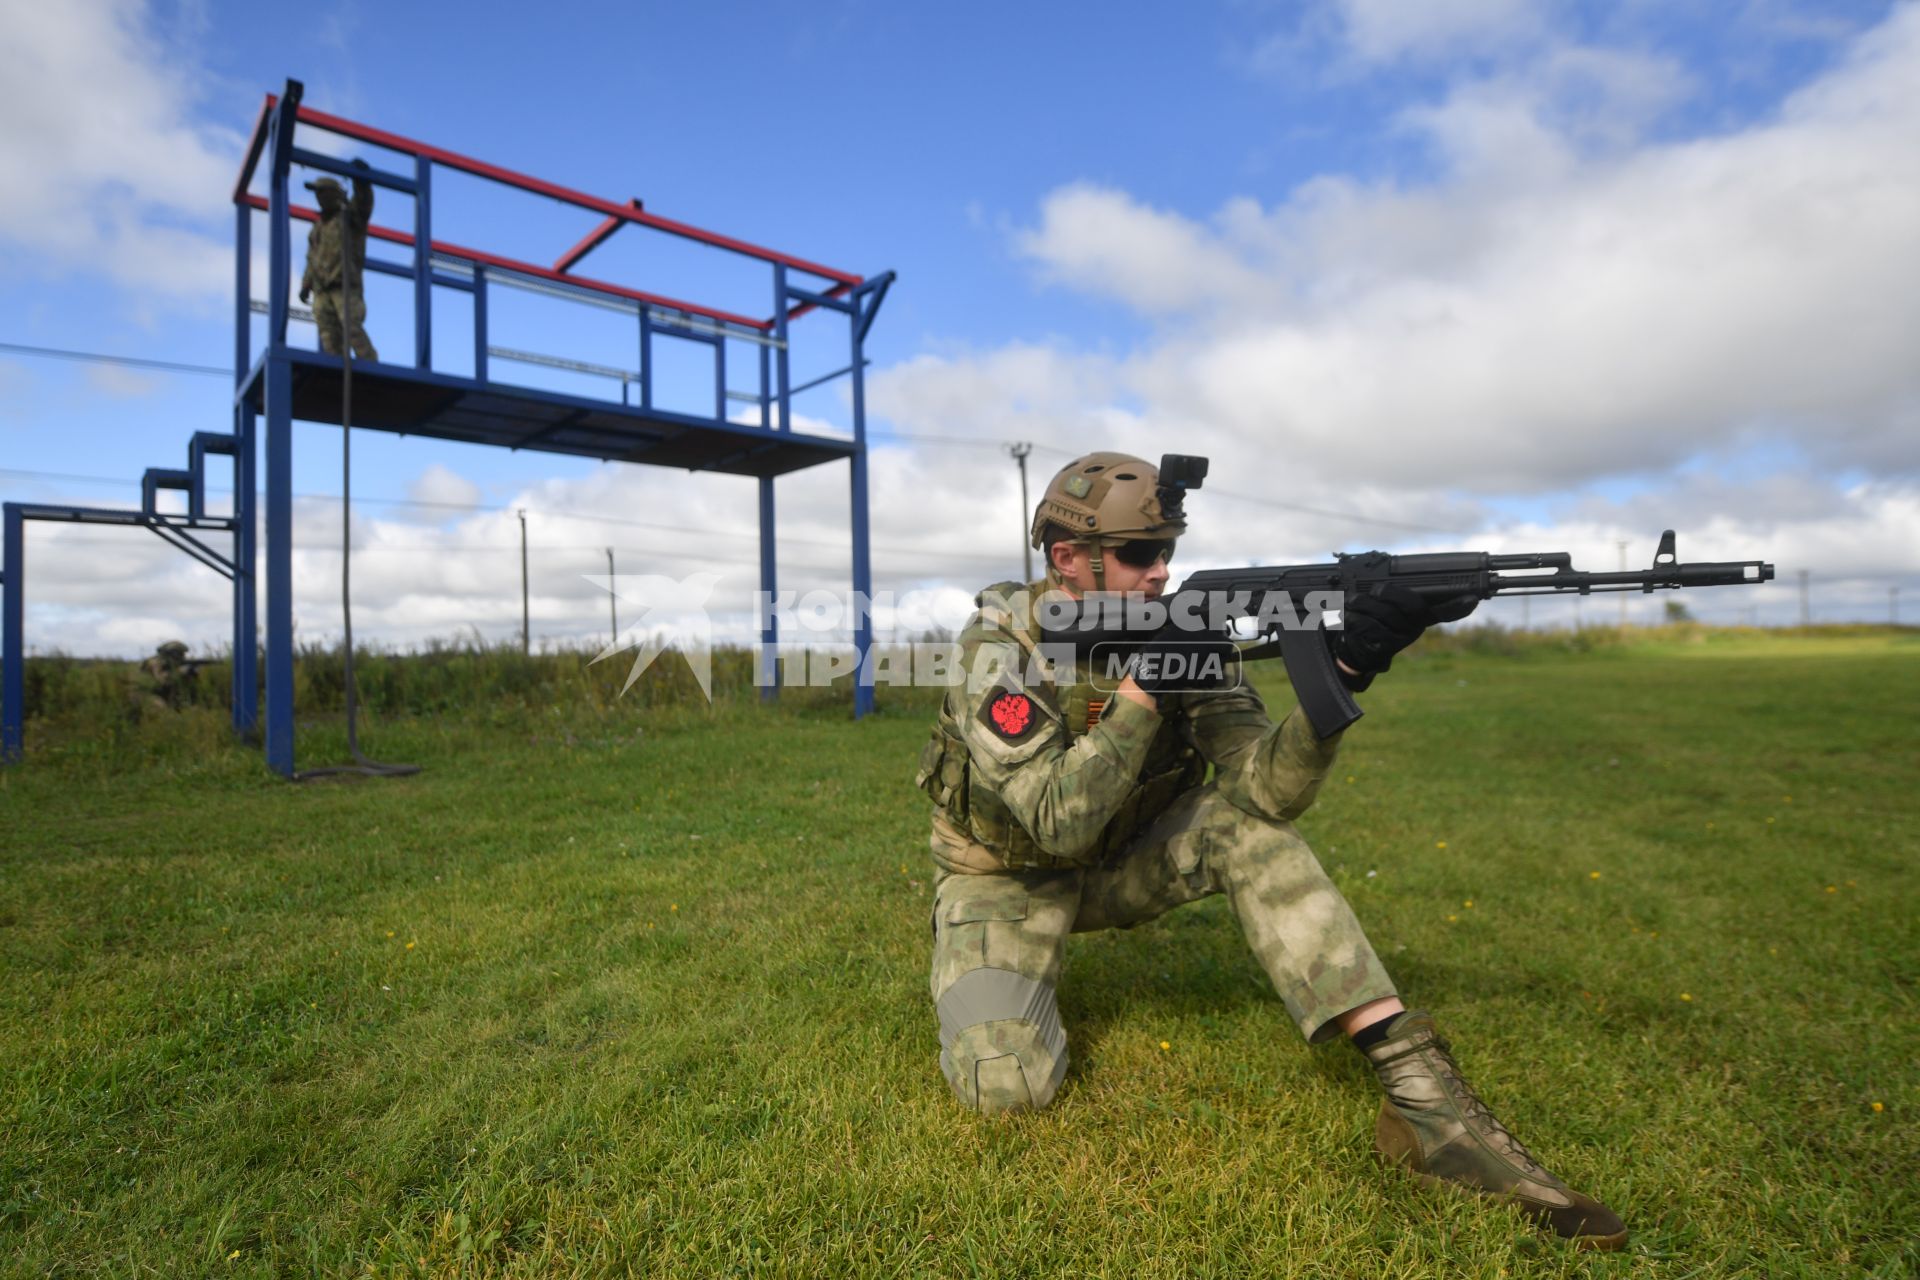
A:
[1432, 1123]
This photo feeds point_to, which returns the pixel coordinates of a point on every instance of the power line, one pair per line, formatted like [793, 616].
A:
[101, 357]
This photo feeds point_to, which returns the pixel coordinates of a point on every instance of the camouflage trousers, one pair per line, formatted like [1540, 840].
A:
[998, 940]
[329, 307]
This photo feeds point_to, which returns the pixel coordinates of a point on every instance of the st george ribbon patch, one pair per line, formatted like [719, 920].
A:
[1011, 714]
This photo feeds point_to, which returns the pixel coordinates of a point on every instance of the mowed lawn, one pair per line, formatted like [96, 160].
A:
[646, 994]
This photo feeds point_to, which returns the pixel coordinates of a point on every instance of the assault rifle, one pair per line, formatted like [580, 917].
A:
[1217, 603]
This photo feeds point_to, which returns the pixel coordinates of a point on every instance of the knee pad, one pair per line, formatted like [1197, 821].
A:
[1004, 1049]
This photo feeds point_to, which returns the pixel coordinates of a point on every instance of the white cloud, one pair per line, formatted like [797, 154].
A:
[105, 166]
[441, 486]
[1543, 322]
[1153, 260]
[1388, 30]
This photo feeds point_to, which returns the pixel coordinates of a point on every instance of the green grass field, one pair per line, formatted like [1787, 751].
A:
[623, 989]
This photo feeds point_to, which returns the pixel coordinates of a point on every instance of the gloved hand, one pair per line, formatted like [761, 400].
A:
[1176, 659]
[1380, 625]
[306, 294]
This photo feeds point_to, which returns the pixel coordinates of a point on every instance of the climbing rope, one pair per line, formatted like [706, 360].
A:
[362, 766]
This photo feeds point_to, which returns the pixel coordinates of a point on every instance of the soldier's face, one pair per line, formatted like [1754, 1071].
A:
[1076, 568]
[329, 199]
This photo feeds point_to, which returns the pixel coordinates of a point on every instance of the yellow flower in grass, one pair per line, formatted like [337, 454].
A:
[1165, 1045]
[673, 906]
[409, 946]
[1833, 888]
[1687, 997]
[1593, 875]
[1453, 919]
[1467, 903]
[1879, 1106]
[1440, 844]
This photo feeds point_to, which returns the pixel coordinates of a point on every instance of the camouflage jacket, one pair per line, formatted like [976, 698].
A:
[1030, 767]
[324, 243]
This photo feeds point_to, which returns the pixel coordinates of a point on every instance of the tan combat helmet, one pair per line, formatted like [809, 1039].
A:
[1103, 500]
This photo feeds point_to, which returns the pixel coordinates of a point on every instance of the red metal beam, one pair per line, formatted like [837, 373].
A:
[592, 240]
[527, 268]
[255, 142]
[453, 160]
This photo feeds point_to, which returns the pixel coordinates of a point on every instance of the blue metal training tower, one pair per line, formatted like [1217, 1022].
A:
[284, 384]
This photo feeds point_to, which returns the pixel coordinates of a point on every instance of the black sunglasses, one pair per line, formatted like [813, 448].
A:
[1141, 553]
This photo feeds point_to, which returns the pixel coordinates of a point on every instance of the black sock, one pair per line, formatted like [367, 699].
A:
[1373, 1033]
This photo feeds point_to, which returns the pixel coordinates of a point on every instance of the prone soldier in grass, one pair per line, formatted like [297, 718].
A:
[1065, 805]
[164, 681]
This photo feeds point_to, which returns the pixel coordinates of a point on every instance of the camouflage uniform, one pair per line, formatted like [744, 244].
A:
[336, 243]
[1059, 812]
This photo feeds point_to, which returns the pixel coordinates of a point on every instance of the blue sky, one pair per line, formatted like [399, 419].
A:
[1519, 271]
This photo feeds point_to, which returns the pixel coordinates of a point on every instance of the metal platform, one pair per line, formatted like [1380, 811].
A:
[423, 403]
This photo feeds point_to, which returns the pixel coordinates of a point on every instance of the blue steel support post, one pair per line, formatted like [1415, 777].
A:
[242, 293]
[769, 679]
[862, 565]
[646, 357]
[781, 368]
[422, 263]
[277, 401]
[246, 641]
[279, 415]
[769, 673]
[479, 323]
[13, 689]
[769, 577]
[765, 410]
[720, 379]
[245, 692]
[279, 229]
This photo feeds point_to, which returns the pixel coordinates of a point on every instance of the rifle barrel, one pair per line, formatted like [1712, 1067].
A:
[1723, 573]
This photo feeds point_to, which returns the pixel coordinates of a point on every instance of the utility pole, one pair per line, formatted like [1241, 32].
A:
[1893, 606]
[1526, 613]
[613, 601]
[526, 627]
[1806, 615]
[1622, 544]
[1020, 451]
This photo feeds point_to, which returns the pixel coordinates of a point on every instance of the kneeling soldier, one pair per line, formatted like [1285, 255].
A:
[1060, 809]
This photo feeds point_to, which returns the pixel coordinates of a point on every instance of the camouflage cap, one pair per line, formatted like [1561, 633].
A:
[320, 186]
